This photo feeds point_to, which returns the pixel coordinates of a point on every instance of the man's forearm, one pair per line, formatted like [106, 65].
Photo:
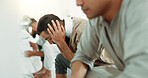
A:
[39, 53]
[79, 69]
[66, 51]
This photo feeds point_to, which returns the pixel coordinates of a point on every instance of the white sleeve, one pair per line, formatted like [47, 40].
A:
[50, 53]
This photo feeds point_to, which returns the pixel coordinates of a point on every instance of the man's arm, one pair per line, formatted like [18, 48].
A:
[87, 52]
[58, 36]
[79, 69]
[66, 51]
[31, 53]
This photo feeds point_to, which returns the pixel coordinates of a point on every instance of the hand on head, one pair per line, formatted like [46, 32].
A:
[57, 33]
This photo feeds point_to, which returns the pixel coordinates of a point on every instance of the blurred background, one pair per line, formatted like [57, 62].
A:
[61, 8]
[11, 12]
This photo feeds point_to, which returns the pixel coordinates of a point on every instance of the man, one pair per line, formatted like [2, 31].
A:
[57, 34]
[33, 53]
[60, 35]
[29, 64]
[121, 28]
[45, 52]
[36, 44]
[62, 62]
[42, 31]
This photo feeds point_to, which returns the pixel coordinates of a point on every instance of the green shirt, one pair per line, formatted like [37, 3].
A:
[125, 39]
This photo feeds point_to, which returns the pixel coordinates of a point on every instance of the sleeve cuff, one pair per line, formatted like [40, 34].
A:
[86, 60]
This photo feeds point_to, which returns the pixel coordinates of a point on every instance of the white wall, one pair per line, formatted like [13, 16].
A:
[75, 10]
[9, 54]
[62, 8]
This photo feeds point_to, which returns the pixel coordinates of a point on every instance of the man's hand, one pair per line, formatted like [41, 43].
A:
[58, 33]
[29, 53]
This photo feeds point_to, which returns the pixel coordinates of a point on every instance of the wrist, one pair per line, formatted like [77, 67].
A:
[62, 42]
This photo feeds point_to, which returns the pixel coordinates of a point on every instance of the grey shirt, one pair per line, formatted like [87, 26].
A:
[125, 39]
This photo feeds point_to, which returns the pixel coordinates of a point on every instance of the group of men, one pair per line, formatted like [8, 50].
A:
[111, 44]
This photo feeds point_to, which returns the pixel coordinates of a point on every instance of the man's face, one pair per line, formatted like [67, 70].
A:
[93, 8]
[46, 36]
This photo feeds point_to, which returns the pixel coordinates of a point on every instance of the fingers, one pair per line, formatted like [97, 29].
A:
[57, 28]
[54, 25]
[50, 29]
[63, 29]
[58, 25]
[49, 32]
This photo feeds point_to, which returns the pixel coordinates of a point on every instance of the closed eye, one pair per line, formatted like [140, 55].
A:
[47, 38]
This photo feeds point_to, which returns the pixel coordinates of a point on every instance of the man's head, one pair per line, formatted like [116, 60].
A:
[94, 8]
[33, 24]
[43, 25]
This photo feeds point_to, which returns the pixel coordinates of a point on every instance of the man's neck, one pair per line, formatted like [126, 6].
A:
[113, 10]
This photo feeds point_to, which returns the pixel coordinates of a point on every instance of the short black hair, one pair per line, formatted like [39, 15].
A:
[43, 21]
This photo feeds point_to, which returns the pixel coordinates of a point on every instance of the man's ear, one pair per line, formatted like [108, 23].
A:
[62, 23]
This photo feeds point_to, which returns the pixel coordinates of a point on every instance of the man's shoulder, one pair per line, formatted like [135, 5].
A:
[135, 6]
[79, 23]
[78, 20]
[136, 11]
